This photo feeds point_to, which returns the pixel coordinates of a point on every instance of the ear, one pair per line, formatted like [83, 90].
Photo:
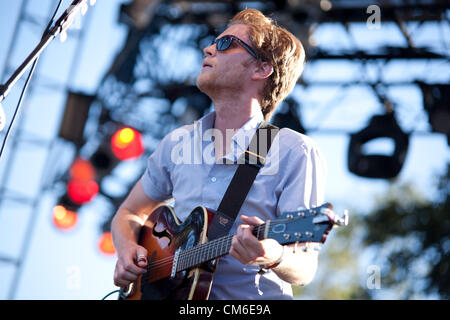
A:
[262, 71]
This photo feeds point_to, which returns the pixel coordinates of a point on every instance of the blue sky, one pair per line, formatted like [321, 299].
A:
[68, 265]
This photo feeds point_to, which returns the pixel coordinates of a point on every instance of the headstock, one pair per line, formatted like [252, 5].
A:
[309, 225]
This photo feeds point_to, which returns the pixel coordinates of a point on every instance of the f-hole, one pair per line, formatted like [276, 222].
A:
[162, 234]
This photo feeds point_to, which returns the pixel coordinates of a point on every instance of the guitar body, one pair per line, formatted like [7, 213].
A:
[162, 235]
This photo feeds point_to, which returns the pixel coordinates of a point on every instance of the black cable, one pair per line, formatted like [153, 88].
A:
[112, 292]
[27, 82]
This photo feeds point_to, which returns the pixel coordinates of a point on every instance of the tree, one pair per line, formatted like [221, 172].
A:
[411, 240]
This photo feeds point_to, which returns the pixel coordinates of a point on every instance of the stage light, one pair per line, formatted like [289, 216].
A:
[126, 144]
[75, 116]
[106, 244]
[82, 170]
[375, 165]
[81, 192]
[63, 218]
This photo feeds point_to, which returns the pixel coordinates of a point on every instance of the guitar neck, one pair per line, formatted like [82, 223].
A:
[212, 250]
[312, 225]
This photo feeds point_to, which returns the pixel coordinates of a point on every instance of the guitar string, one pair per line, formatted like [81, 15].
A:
[190, 251]
[188, 257]
[214, 244]
[157, 266]
[165, 262]
[169, 260]
[206, 251]
[207, 247]
[202, 249]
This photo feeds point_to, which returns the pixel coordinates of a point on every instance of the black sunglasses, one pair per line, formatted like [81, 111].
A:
[225, 42]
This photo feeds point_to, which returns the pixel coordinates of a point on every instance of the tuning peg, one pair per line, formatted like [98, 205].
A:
[343, 221]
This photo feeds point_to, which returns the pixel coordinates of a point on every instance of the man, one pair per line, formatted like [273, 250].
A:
[247, 71]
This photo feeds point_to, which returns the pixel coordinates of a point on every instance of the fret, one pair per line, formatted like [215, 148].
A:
[259, 231]
[210, 250]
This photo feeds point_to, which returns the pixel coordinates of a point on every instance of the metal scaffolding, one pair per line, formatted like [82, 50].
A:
[21, 139]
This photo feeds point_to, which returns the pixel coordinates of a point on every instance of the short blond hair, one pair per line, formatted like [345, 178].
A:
[279, 47]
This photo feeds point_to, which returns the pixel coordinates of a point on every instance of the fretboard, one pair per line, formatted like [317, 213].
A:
[212, 250]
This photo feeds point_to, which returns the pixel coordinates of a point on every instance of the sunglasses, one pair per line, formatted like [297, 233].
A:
[224, 43]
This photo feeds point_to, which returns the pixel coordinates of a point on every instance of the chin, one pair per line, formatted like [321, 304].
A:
[203, 84]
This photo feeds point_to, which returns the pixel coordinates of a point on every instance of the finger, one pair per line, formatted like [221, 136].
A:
[123, 274]
[130, 266]
[253, 221]
[141, 261]
[141, 256]
[251, 243]
[121, 283]
[128, 276]
[118, 279]
[238, 251]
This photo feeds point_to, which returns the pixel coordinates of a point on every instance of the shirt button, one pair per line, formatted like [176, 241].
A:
[213, 179]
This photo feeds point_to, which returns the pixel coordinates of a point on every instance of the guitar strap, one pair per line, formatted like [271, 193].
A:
[252, 160]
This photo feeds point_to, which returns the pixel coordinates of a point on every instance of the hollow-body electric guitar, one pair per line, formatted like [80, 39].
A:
[181, 261]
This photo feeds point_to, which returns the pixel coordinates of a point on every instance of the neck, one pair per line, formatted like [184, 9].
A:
[213, 249]
[230, 116]
[233, 114]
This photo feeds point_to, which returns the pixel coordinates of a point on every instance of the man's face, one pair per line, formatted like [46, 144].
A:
[228, 69]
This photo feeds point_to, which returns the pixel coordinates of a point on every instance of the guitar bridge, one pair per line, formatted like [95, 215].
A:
[175, 263]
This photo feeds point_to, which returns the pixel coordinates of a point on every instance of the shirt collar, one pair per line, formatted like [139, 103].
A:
[241, 139]
[244, 135]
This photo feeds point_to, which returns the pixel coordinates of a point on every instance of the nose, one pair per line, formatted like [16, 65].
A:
[209, 50]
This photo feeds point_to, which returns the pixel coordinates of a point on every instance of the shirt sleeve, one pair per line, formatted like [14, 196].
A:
[156, 180]
[304, 180]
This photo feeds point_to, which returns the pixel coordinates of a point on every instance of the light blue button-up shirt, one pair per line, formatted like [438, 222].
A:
[184, 168]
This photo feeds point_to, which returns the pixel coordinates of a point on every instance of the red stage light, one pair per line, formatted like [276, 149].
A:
[82, 170]
[81, 192]
[106, 244]
[64, 219]
[126, 144]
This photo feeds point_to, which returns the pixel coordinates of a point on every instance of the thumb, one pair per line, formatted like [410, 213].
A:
[141, 256]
